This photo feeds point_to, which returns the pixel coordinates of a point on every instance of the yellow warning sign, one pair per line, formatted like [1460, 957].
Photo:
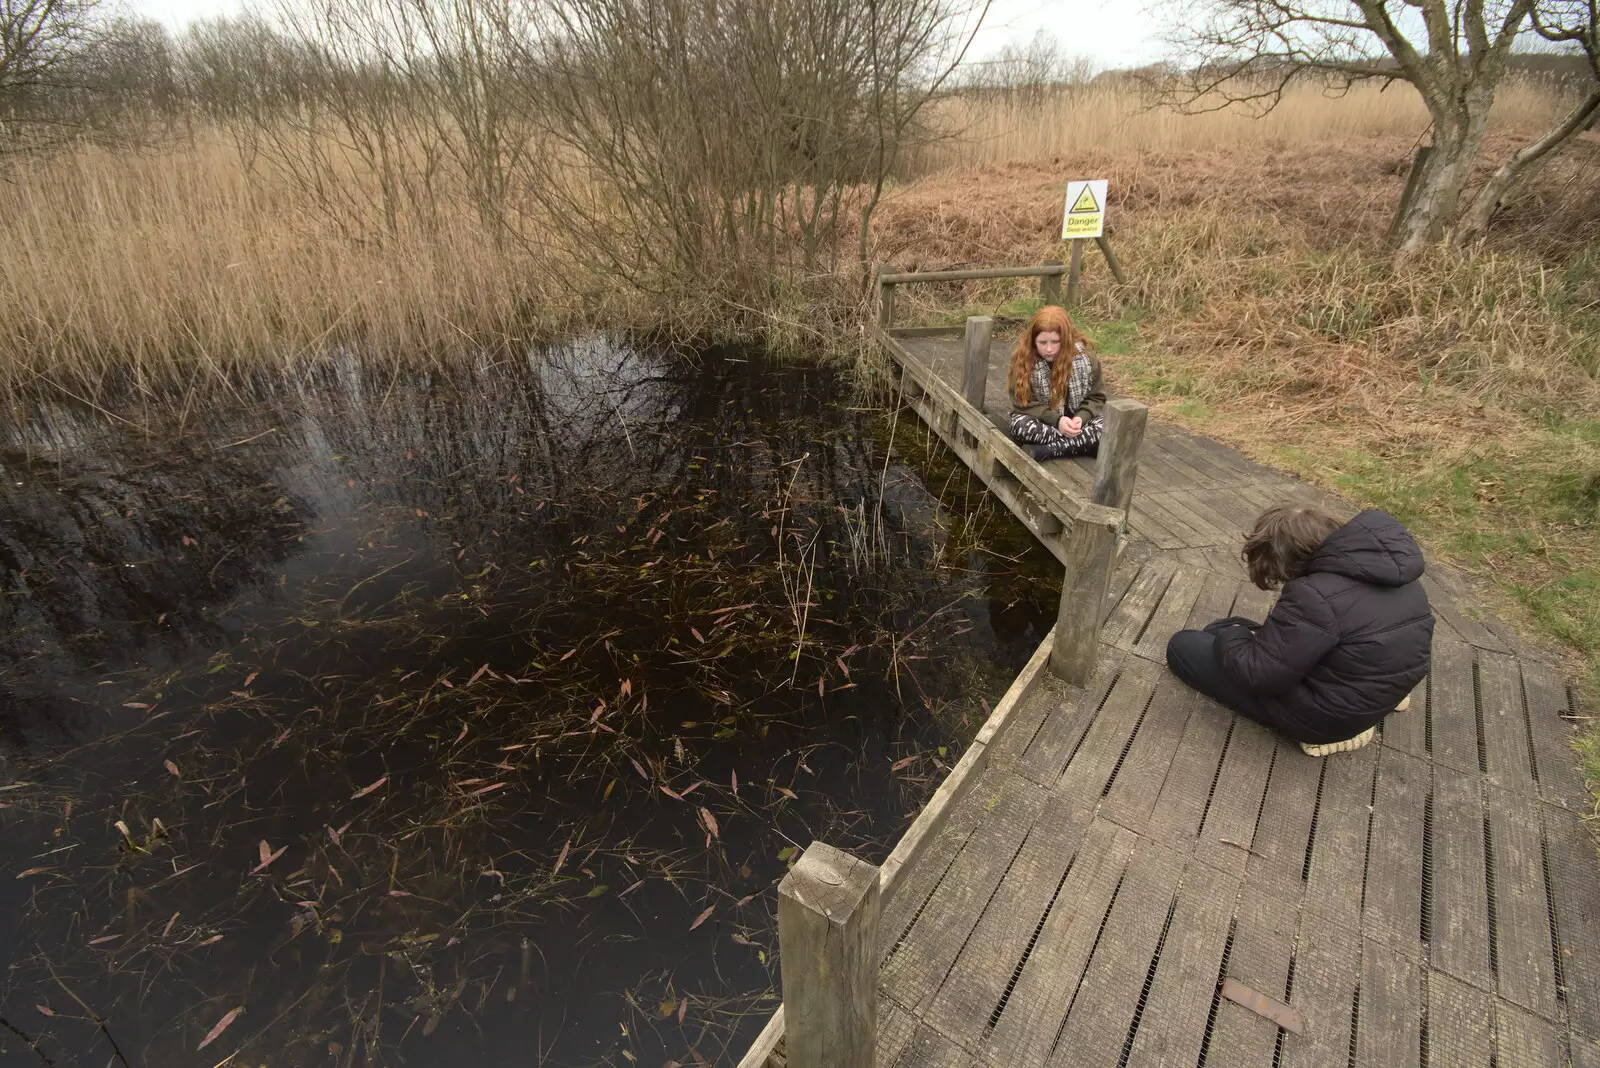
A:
[1086, 210]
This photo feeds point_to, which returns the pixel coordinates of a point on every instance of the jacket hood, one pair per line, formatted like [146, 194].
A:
[1373, 547]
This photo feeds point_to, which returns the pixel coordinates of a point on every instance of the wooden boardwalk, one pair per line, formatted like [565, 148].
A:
[1129, 845]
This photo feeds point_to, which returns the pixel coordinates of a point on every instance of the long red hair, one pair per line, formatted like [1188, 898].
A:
[1048, 319]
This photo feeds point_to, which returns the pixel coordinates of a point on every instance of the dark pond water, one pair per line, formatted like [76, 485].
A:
[469, 717]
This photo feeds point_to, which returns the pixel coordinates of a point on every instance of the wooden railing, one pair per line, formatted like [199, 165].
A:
[829, 903]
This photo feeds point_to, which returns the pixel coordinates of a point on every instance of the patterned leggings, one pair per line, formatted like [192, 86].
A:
[1030, 431]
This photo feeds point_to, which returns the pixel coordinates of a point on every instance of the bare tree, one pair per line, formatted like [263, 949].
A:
[1025, 72]
[1453, 52]
[1565, 24]
[691, 138]
[40, 41]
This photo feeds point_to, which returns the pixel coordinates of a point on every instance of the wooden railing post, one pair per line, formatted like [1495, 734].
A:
[975, 371]
[1074, 272]
[1118, 463]
[1091, 557]
[886, 297]
[828, 945]
[1050, 284]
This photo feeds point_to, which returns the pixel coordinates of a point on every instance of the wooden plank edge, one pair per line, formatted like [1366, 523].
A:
[933, 815]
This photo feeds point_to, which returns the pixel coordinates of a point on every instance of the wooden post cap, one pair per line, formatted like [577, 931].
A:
[828, 952]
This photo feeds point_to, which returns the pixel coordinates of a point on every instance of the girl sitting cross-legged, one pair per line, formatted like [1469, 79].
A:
[1056, 389]
[1348, 640]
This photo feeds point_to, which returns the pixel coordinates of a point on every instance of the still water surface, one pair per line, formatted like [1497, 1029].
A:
[469, 717]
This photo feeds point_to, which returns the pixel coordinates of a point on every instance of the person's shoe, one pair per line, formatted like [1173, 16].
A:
[1404, 705]
[1046, 452]
[1346, 746]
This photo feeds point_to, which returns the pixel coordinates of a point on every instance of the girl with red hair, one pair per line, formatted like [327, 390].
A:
[1056, 389]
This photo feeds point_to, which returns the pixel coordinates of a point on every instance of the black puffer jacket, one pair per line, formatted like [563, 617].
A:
[1346, 641]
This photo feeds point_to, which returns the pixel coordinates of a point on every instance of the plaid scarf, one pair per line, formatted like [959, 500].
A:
[1079, 382]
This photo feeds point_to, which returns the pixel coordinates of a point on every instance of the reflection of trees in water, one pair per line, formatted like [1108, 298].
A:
[106, 565]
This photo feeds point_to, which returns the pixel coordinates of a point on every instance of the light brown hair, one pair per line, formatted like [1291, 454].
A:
[1048, 319]
[1283, 541]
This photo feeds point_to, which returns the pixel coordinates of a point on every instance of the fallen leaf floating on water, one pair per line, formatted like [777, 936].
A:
[213, 940]
[45, 1010]
[790, 794]
[103, 939]
[703, 917]
[248, 679]
[33, 871]
[486, 789]
[902, 762]
[222, 1025]
[697, 635]
[683, 1008]
[170, 766]
[733, 779]
[710, 822]
[476, 675]
[365, 790]
[168, 928]
[268, 855]
[562, 859]
[135, 704]
[672, 793]
[640, 769]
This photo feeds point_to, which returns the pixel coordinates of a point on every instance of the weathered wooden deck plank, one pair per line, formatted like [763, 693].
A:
[1186, 792]
[1453, 713]
[1460, 1023]
[1260, 958]
[1278, 854]
[1389, 1016]
[966, 1002]
[1084, 779]
[915, 970]
[1446, 607]
[1137, 784]
[1408, 731]
[1124, 625]
[1230, 823]
[1173, 1022]
[1097, 1024]
[1059, 735]
[1327, 973]
[1459, 922]
[1506, 757]
[1339, 839]
[1575, 893]
[1392, 912]
[1170, 614]
[1525, 1041]
[1524, 958]
[1548, 706]
[930, 1049]
[1025, 1033]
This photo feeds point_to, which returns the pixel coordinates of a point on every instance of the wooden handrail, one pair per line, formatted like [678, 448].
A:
[901, 278]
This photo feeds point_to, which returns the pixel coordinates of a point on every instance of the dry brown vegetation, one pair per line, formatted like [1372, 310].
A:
[1458, 387]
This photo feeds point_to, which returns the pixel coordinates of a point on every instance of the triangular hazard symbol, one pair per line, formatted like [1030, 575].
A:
[1084, 203]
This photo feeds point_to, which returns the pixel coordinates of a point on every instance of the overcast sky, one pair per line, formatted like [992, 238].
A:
[1112, 33]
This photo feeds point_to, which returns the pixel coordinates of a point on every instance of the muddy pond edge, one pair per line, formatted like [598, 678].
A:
[932, 816]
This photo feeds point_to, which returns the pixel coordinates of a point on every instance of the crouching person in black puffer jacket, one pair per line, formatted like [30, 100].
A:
[1344, 646]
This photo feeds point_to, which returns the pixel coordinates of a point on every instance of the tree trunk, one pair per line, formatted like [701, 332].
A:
[1522, 165]
[1457, 136]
